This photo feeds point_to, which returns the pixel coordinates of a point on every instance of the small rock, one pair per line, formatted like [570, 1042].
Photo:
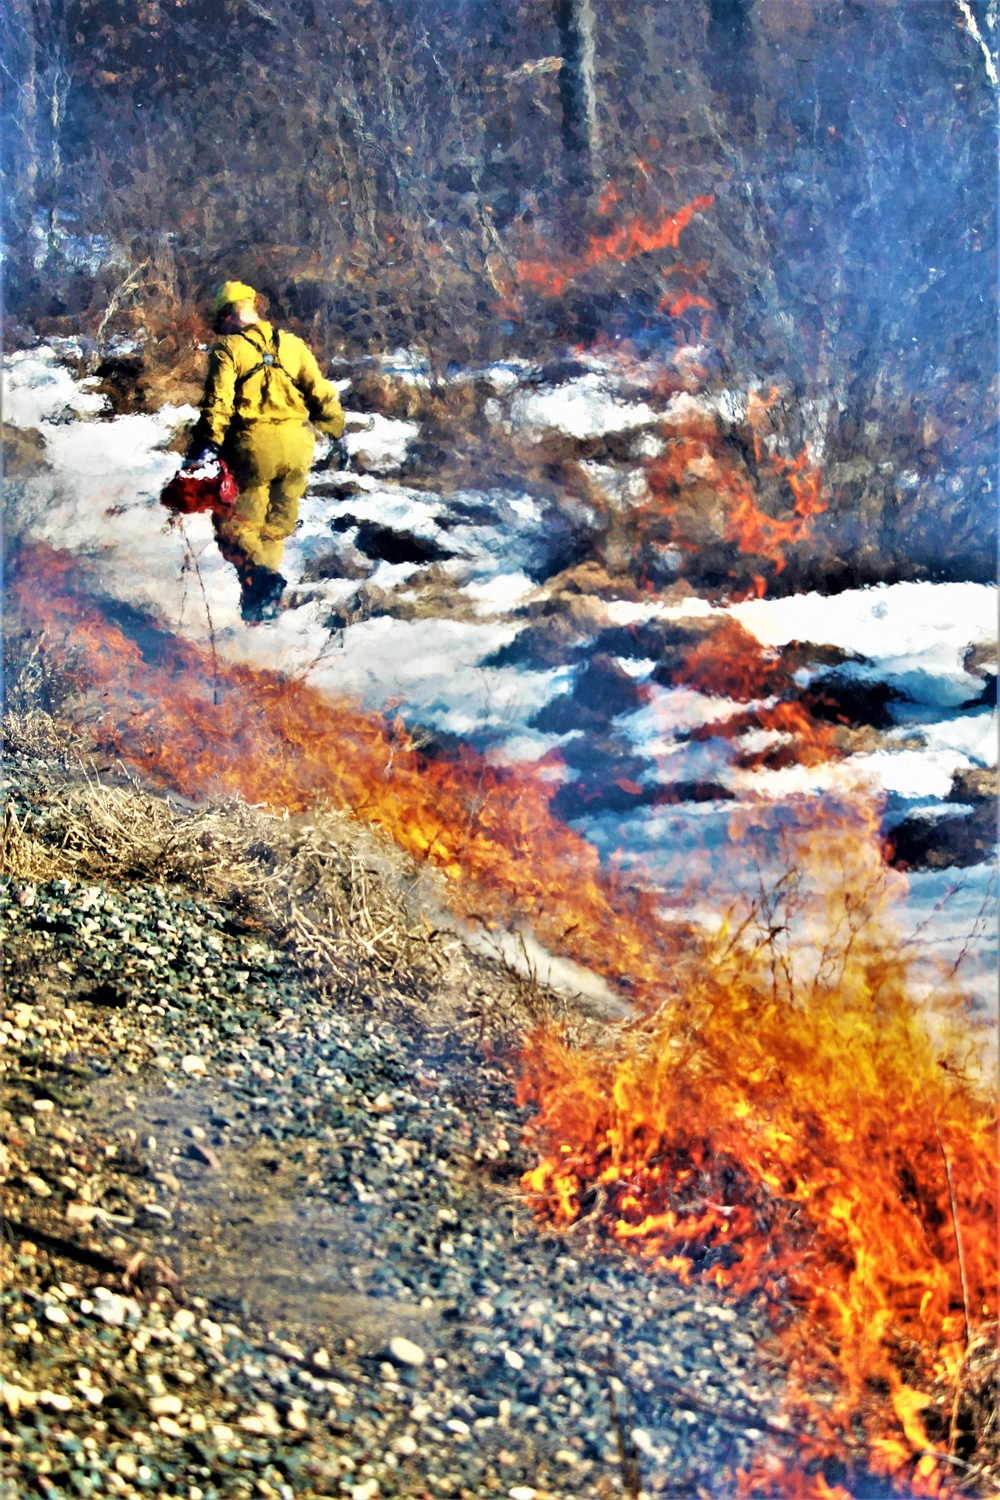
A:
[38, 1187]
[163, 1062]
[297, 1420]
[204, 1154]
[16, 1397]
[165, 1406]
[458, 1427]
[405, 1352]
[405, 1445]
[55, 1401]
[153, 1211]
[382, 1105]
[263, 1422]
[127, 1465]
[57, 1315]
[43, 1106]
[80, 1213]
[183, 1319]
[169, 1427]
[194, 1065]
[522, 1492]
[516, 1363]
[195, 1132]
[366, 1491]
[110, 1308]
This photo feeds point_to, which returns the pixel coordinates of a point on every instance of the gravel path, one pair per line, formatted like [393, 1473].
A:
[265, 1236]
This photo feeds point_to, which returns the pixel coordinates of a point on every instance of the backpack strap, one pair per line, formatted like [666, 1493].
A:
[269, 359]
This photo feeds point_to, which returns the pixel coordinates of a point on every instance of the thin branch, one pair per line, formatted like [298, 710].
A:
[977, 36]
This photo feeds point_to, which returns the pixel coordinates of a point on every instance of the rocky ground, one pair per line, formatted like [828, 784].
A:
[263, 1227]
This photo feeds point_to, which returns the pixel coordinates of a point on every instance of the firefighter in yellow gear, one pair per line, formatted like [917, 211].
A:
[263, 386]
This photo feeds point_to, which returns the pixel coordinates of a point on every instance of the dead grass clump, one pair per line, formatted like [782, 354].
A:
[338, 896]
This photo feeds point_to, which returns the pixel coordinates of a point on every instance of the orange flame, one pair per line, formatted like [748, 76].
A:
[732, 663]
[699, 453]
[551, 278]
[782, 1118]
[281, 743]
[790, 1124]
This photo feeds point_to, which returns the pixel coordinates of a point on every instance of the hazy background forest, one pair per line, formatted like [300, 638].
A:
[395, 172]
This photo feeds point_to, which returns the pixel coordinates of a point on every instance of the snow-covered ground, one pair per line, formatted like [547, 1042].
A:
[100, 499]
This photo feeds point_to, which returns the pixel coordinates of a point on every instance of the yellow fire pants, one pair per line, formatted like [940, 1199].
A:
[270, 462]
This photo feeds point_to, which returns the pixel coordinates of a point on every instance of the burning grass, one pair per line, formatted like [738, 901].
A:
[161, 707]
[802, 1122]
[707, 491]
[791, 1115]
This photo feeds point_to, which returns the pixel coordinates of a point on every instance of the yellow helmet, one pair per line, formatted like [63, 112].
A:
[232, 293]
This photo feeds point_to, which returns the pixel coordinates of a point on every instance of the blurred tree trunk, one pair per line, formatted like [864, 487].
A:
[580, 127]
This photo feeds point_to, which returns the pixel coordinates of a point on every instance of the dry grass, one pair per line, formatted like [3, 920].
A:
[352, 911]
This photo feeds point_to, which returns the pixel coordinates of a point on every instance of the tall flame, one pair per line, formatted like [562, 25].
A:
[698, 453]
[792, 1124]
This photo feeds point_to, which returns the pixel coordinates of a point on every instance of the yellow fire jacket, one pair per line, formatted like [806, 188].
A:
[264, 375]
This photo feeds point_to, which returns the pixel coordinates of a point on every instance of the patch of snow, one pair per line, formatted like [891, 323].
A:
[637, 667]
[658, 727]
[622, 487]
[505, 375]
[431, 665]
[36, 388]
[393, 506]
[382, 443]
[972, 735]
[626, 612]
[756, 740]
[914, 634]
[126, 452]
[496, 595]
[531, 746]
[408, 366]
[583, 408]
[912, 773]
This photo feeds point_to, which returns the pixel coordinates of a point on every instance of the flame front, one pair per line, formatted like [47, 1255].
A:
[781, 1117]
[697, 454]
[170, 712]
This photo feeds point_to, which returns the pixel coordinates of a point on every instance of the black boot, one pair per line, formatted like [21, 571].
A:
[272, 589]
[262, 589]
